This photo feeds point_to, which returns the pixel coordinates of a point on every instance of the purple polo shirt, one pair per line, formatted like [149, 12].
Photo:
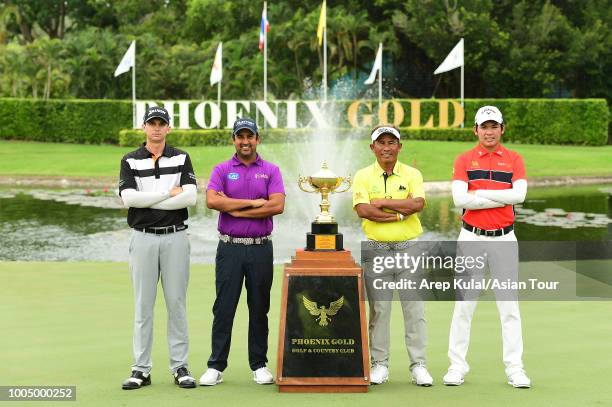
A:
[236, 180]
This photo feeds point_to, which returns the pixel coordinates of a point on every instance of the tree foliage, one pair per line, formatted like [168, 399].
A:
[514, 48]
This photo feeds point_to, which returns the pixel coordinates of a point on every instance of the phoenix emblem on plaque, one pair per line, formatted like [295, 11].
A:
[323, 313]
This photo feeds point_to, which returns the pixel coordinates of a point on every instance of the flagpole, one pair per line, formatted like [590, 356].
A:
[219, 99]
[265, 98]
[380, 80]
[325, 59]
[134, 89]
[462, 65]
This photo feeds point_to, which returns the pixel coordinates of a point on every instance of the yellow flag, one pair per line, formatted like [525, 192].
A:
[321, 27]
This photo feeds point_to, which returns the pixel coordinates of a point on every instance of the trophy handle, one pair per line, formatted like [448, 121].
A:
[348, 182]
[305, 181]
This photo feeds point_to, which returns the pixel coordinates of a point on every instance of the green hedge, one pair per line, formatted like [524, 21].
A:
[70, 121]
[550, 121]
[541, 121]
[217, 137]
[211, 137]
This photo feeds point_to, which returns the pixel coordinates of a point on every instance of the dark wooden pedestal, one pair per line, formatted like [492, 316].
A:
[322, 343]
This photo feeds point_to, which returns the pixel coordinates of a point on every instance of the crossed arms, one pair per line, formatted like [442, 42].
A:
[176, 198]
[374, 210]
[488, 198]
[246, 208]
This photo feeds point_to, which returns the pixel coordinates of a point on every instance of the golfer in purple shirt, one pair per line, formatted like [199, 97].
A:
[247, 191]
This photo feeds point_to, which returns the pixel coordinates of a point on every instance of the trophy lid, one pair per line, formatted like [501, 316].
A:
[324, 172]
[325, 178]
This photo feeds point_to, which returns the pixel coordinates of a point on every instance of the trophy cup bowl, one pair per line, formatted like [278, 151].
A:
[325, 178]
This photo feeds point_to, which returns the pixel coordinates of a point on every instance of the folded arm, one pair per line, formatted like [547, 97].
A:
[184, 199]
[463, 199]
[218, 200]
[273, 206]
[511, 196]
[406, 206]
[371, 212]
[142, 199]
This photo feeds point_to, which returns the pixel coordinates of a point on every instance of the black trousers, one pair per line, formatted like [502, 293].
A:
[233, 264]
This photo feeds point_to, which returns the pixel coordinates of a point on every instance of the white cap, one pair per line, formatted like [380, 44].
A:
[487, 113]
[384, 130]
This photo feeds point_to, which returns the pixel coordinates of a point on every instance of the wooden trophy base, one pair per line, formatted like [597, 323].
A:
[323, 344]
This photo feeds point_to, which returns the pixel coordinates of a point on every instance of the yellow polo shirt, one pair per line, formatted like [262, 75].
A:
[369, 183]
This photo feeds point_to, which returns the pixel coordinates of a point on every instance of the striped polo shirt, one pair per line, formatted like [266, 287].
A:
[482, 169]
[140, 172]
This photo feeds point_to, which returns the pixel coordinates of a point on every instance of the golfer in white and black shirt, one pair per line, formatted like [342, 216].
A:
[157, 184]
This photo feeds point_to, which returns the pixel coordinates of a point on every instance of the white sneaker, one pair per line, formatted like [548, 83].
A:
[519, 380]
[211, 377]
[379, 374]
[453, 378]
[421, 376]
[263, 376]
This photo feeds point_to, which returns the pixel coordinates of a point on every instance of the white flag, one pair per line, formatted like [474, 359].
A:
[377, 66]
[453, 60]
[127, 61]
[216, 74]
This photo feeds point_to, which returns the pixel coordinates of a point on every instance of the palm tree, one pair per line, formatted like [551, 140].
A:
[5, 15]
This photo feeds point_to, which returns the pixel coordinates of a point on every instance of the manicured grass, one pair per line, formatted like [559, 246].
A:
[71, 324]
[434, 159]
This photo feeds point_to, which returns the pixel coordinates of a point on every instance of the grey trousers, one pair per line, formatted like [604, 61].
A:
[154, 257]
[415, 325]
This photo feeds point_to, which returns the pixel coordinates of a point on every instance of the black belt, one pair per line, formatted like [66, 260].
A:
[163, 230]
[483, 232]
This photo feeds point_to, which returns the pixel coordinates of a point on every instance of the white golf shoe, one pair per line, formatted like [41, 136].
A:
[421, 376]
[453, 378]
[211, 377]
[519, 380]
[263, 376]
[379, 374]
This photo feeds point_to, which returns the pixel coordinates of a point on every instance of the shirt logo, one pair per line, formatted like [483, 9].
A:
[474, 163]
[402, 188]
[233, 176]
[264, 176]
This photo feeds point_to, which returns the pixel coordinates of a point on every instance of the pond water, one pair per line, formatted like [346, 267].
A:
[59, 224]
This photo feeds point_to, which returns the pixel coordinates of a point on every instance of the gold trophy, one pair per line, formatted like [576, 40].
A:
[324, 234]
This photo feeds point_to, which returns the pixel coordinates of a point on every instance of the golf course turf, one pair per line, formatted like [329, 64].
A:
[71, 324]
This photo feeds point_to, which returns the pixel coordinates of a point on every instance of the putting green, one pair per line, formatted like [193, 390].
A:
[71, 324]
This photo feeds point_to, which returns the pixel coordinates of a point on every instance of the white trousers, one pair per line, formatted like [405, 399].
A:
[509, 314]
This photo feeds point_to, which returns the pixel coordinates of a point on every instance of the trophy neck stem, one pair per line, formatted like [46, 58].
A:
[324, 216]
